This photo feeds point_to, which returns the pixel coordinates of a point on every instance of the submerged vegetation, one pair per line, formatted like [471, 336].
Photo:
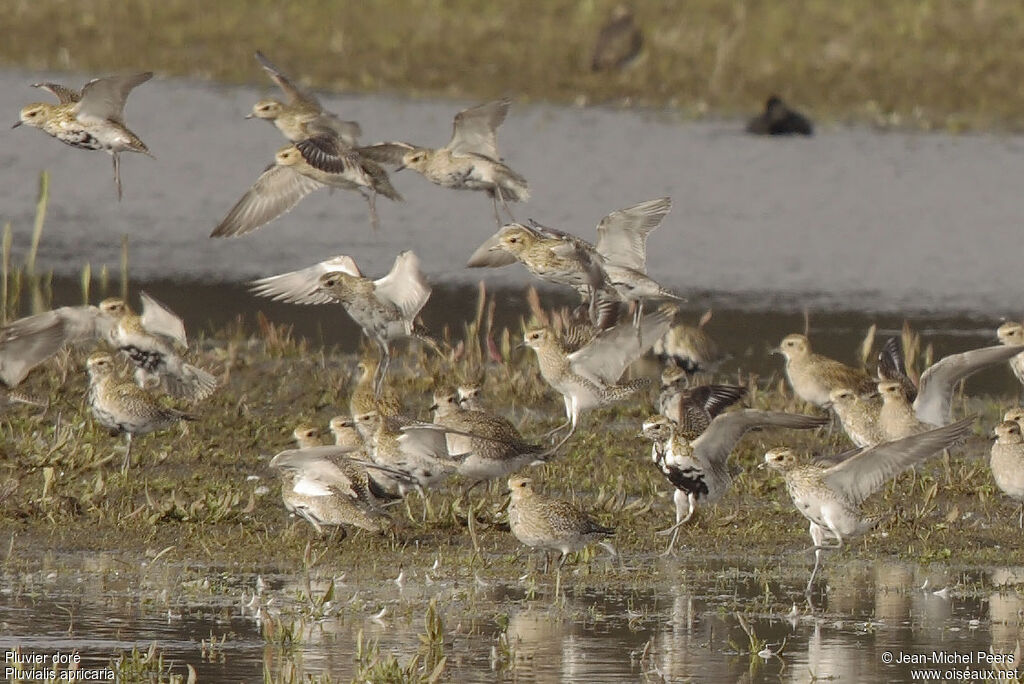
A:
[945, 64]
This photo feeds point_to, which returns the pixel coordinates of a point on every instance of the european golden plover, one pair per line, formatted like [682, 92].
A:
[1016, 414]
[696, 467]
[299, 169]
[690, 347]
[470, 396]
[1007, 463]
[618, 43]
[1012, 334]
[151, 341]
[897, 418]
[830, 496]
[92, 119]
[813, 376]
[345, 433]
[123, 407]
[692, 409]
[613, 269]
[326, 487]
[302, 116]
[860, 416]
[779, 119]
[933, 404]
[496, 450]
[385, 309]
[588, 377]
[470, 160]
[307, 436]
[551, 524]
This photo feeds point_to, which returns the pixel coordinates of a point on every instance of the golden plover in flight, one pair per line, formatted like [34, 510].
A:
[470, 160]
[319, 162]
[697, 466]
[618, 43]
[123, 407]
[326, 487]
[551, 524]
[386, 308]
[1012, 334]
[588, 377]
[92, 119]
[813, 376]
[612, 270]
[150, 340]
[830, 496]
[933, 404]
[302, 116]
[497, 450]
[693, 408]
[779, 119]
[860, 416]
[691, 347]
[1007, 463]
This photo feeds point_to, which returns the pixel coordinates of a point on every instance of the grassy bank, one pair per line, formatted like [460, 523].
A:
[947, 64]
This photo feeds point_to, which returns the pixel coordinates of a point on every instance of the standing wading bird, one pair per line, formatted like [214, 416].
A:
[860, 416]
[933, 404]
[778, 119]
[498, 450]
[318, 162]
[618, 43]
[813, 376]
[612, 270]
[385, 308]
[149, 340]
[539, 521]
[695, 463]
[302, 116]
[830, 496]
[1011, 333]
[332, 485]
[588, 377]
[691, 347]
[470, 160]
[124, 407]
[1007, 463]
[92, 119]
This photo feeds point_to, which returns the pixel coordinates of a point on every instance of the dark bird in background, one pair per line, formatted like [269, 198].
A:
[778, 119]
[618, 43]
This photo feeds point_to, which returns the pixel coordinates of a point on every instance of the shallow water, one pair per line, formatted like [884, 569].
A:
[683, 625]
[852, 218]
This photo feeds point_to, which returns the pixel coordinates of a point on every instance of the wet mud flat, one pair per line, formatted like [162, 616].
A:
[195, 545]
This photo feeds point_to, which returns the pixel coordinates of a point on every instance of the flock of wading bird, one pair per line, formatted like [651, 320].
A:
[380, 455]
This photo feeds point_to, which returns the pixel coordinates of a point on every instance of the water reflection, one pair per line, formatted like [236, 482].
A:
[678, 630]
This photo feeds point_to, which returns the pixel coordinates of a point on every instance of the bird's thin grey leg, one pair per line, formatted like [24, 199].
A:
[117, 174]
[382, 368]
[497, 216]
[127, 455]
[371, 204]
[501, 197]
[680, 498]
[817, 536]
[1020, 517]
[547, 560]
[561, 560]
